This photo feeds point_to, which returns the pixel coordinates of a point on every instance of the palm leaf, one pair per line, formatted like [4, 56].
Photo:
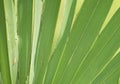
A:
[59, 42]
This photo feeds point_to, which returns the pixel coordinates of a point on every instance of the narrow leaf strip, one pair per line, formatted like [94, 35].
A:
[4, 59]
[12, 39]
[48, 23]
[37, 5]
[25, 37]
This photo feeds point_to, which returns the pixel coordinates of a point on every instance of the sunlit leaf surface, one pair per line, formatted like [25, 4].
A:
[60, 42]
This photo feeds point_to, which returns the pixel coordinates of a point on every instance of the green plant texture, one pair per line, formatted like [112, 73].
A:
[59, 41]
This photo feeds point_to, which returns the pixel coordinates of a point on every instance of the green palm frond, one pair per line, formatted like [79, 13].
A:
[59, 42]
